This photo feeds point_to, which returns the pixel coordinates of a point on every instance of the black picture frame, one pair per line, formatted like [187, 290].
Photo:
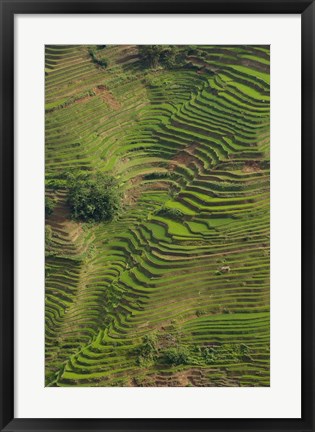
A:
[11, 7]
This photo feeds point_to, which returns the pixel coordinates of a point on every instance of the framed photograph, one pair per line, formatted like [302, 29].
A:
[157, 215]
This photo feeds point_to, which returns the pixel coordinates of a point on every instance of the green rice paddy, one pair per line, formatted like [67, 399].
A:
[175, 292]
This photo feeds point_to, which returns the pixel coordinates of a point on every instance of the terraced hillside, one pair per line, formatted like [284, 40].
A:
[175, 292]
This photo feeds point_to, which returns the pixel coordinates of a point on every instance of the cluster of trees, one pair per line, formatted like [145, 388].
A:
[93, 197]
[153, 350]
[225, 352]
[167, 56]
[150, 351]
[176, 356]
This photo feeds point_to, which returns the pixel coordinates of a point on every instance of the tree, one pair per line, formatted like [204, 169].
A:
[94, 197]
[148, 349]
[102, 62]
[167, 56]
[150, 55]
[177, 356]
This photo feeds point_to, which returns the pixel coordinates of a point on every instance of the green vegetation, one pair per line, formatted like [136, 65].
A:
[168, 56]
[177, 356]
[48, 235]
[49, 206]
[157, 243]
[172, 213]
[94, 54]
[147, 351]
[94, 198]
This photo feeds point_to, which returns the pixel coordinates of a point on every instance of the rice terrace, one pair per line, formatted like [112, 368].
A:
[157, 215]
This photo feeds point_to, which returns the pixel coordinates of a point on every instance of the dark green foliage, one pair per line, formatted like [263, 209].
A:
[167, 56]
[150, 55]
[102, 62]
[171, 213]
[227, 352]
[195, 51]
[49, 206]
[148, 349]
[93, 198]
[156, 175]
[176, 356]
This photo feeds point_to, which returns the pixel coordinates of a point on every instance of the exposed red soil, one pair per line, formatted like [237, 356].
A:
[107, 96]
[83, 99]
[183, 157]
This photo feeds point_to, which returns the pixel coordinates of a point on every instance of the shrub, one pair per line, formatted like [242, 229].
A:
[156, 176]
[94, 198]
[150, 55]
[49, 206]
[167, 56]
[177, 356]
[226, 352]
[102, 62]
[171, 213]
[200, 312]
[147, 350]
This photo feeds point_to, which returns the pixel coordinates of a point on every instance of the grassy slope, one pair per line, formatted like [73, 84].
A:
[197, 141]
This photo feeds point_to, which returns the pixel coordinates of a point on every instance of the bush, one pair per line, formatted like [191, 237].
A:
[102, 62]
[49, 206]
[177, 356]
[150, 55]
[156, 176]
[171, 213]
[167, 56]
[94, 198]
[148, 350]
[226, 352]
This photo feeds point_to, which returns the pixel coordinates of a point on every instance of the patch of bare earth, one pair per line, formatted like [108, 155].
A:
[107, 96]
[251, 166]
[159, 185]
[132, 195]
[177, 379]
[83, 99]
[183, 157]
[194, 377]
